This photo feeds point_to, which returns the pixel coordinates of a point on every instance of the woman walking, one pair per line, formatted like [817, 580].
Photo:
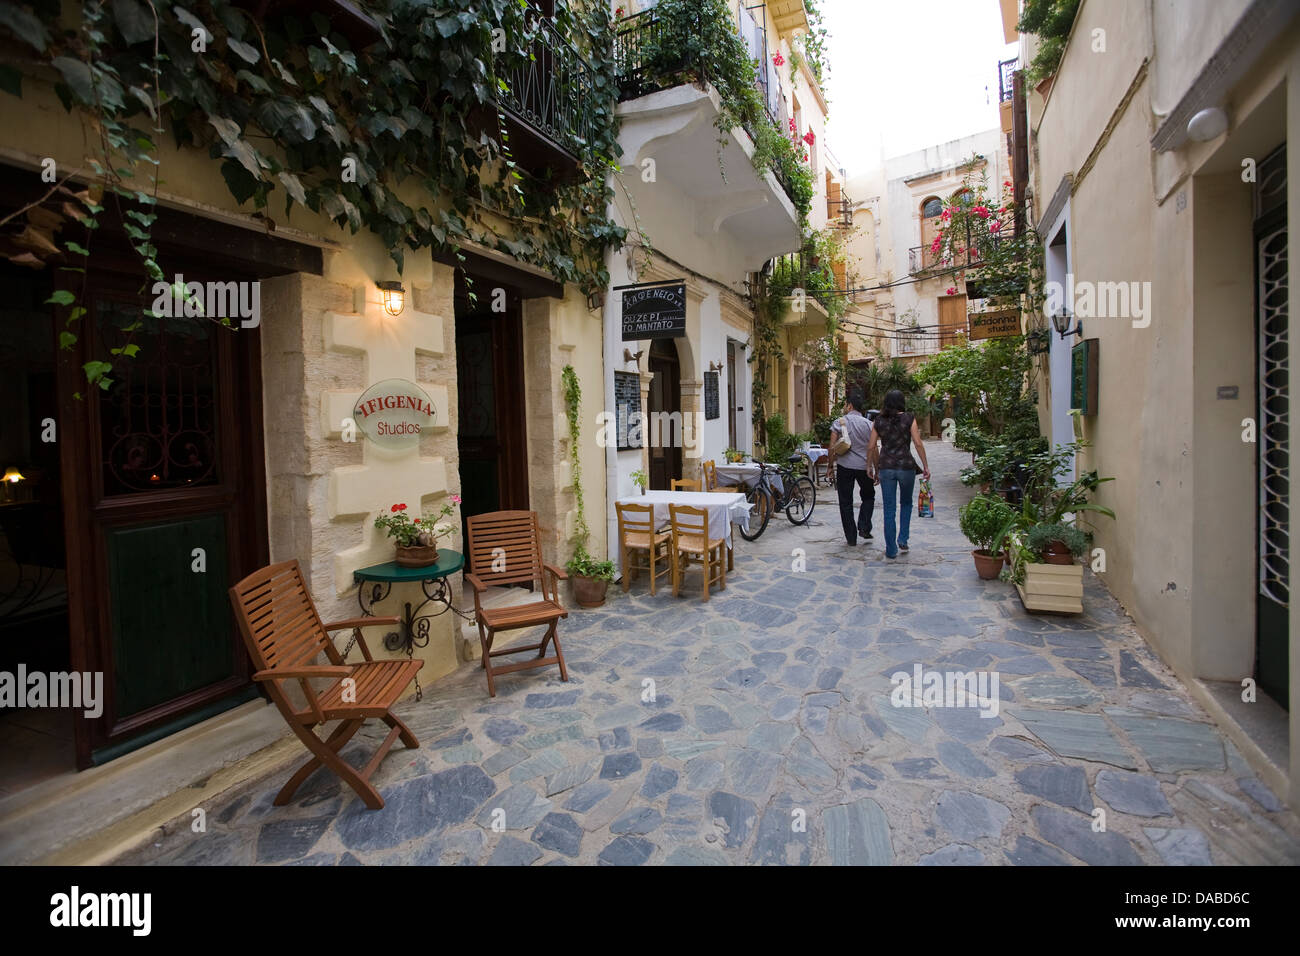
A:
[891, 459]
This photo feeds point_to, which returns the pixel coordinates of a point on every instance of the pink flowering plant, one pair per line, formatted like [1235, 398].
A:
[977, 236]
[426, 530]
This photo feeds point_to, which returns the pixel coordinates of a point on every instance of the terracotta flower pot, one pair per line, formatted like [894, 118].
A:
[1057, 553]
[417, 556]
[987, 565]
[588, 592]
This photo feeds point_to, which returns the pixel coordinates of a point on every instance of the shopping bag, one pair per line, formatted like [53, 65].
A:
[925, 500]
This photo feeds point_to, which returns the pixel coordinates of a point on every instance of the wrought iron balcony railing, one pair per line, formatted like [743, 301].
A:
[552, 92]
[1006, 70]
[922, 259]
[840, 211]
[656, 52]
[817, 277]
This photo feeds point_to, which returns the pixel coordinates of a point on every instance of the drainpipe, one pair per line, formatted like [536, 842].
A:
[612, 339]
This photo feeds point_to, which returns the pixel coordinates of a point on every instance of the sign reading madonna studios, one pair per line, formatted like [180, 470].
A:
[394, 413]
[655, 312]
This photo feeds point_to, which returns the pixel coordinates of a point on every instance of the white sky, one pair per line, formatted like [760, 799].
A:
[906, 74]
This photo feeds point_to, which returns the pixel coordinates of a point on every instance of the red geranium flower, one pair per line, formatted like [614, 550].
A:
[994, 226]
[946, 215]
[793, 128]
[952, 290]
[417, 520]
[395, 508]
[778, 59]
[809, 137]
[981, 211]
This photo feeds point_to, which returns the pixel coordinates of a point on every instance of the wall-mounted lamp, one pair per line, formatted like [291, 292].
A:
[11, 479]
[1038, 341]
[1208, 124]
[1061, 322]
[394, 297]
[715, 366]
[629, 356]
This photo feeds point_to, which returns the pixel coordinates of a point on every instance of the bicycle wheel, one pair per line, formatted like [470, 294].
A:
[760, 511]
[803, 498]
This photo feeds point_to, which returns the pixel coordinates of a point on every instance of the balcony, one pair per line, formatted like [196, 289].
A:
[669, 108]
[921, 261]
[1006, 92]
[546, 104]
[822, 283]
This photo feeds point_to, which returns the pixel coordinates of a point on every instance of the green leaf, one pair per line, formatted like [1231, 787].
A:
[61, 297]
[447, 26]
[293, 185]
[24, 25]
[67, 340]
[144, 98]
[76, 313]
[134, 20]
[77, 77]
[244, 51]
[77, 248]
[253, 80]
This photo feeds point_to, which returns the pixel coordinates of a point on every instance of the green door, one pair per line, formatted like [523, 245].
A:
[168, 512]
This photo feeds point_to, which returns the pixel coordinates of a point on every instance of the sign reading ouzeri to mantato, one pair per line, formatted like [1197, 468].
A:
[654, 312]
[394, 413]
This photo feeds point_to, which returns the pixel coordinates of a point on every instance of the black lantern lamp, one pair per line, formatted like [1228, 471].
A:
[1061, 322]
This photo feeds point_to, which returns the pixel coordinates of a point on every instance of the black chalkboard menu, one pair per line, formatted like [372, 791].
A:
[711, 410]
[627, 402]
[656, 312]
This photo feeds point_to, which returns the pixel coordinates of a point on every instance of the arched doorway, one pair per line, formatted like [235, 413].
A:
[663, 427]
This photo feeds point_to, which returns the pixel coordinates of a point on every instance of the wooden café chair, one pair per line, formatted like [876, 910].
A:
[284, 636]
[636, 533]
[505, 547]
[692, 545]
[685, 484]
[711, 479]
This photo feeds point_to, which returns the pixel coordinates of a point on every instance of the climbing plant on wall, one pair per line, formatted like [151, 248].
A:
[404, 138]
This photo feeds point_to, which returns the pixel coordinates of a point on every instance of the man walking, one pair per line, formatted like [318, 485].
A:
[851, 468]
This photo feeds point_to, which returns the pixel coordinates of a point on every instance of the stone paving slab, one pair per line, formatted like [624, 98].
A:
[763, 728]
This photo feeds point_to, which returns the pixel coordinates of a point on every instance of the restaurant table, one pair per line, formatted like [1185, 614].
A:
[375, 583]
[746, 473]
[724, 508]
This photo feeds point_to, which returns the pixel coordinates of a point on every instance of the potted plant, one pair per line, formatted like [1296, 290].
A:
[1056, 543]
[590, 577]
[640, 480]
[985, 521]
[416, 539]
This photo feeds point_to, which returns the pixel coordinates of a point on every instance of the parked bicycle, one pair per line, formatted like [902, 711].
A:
[797, 496]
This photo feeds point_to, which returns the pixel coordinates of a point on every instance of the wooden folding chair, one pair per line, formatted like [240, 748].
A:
[284, 636]
[505, 547]
[636, 532]
[711, 478]
[692, 545]
[685, 484]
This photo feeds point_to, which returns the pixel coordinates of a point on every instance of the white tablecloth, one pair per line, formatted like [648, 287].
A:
[747, 474]
[725, 508]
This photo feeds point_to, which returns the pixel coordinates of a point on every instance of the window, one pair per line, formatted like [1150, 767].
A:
[931, 207]
[964, 197]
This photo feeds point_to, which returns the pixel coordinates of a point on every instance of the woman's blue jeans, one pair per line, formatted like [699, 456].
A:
[896, 488]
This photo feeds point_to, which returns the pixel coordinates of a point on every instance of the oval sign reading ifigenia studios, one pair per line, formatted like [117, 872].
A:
[393, 413]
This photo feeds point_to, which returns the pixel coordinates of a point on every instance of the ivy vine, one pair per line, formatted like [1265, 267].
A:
[404, 138]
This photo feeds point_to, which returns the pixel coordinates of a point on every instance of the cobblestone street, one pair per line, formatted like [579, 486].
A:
[771, 738]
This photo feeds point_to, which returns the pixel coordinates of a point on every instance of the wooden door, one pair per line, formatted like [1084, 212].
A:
[952, 318]
[491, 432]
[164, 490]
[663, 429]
[731, 395]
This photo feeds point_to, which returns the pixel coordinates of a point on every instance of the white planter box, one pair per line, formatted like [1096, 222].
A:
[1053, 587]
